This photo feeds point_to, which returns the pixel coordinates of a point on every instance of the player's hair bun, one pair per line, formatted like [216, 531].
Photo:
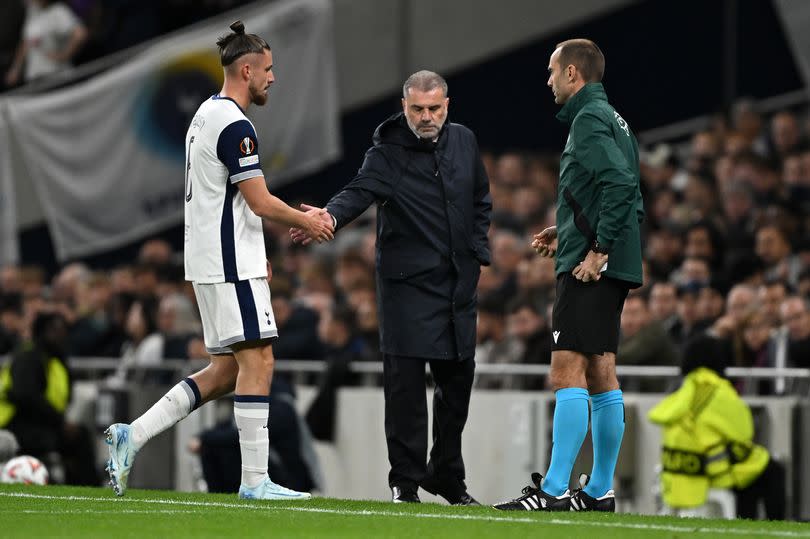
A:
[238, 27]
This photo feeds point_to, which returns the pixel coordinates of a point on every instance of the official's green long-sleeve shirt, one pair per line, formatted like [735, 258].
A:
[599, 191]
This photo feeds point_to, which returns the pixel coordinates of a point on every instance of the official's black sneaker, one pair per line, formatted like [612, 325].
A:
[534, 499]
[581, 501]
[404, 495]
[454, 491]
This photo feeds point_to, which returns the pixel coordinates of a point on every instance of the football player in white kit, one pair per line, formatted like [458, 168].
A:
[225, 200]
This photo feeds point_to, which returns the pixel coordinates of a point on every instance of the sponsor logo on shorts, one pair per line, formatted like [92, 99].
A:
[556, 335]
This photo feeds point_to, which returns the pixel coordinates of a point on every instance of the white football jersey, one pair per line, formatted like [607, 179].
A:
[224, 240]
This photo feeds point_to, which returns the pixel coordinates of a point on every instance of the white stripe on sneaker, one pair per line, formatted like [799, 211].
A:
[532, 502]
[526, 505]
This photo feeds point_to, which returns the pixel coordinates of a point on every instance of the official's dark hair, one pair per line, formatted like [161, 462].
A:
[585, 55]
[237, 44]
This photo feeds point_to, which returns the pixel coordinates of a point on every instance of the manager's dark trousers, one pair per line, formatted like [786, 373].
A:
[406, 418]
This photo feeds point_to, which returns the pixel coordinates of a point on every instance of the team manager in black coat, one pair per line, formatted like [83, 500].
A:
[428, 181]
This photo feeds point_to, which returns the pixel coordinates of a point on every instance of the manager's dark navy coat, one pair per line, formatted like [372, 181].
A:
[433, 216]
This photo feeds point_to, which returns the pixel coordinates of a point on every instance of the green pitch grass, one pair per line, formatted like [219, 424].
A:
[56, 511]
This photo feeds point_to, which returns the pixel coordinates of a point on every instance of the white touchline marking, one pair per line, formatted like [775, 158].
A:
[694, 528]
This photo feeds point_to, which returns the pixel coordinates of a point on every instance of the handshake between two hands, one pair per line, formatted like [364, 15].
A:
[320, 226]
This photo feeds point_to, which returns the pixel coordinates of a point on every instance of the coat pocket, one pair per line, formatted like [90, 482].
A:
[402, 264]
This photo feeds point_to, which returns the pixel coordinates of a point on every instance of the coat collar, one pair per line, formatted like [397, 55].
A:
[593, 91]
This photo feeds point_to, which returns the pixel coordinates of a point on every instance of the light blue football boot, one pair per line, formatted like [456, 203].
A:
[122, 454]
[267, 490]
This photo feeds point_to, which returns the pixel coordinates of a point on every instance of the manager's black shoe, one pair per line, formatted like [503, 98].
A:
[454, 491]
[581, 501]
[404, 495]
[535, 499]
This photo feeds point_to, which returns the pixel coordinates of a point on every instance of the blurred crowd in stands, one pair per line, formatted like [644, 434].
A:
[41, 37]
[727, 251]
[726, 241]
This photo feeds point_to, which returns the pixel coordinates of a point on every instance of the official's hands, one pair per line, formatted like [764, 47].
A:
[322, 223]
[545, 243]
[589, 269]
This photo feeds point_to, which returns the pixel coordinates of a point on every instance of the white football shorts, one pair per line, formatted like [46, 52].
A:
[235, 312]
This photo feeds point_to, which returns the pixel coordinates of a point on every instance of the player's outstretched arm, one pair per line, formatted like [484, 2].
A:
[269, 207]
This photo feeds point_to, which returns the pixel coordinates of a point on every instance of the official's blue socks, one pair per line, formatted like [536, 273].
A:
[607, 429]
[570, 428]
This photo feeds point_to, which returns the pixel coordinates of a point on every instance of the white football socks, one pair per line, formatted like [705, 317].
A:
[251, 413]
[174, 406]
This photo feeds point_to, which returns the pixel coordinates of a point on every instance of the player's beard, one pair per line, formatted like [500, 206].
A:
[258, 96]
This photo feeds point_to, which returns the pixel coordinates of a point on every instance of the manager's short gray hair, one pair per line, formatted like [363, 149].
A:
[424, 81]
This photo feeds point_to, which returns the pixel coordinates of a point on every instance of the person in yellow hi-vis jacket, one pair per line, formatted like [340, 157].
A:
[708, 442]
[35, 388]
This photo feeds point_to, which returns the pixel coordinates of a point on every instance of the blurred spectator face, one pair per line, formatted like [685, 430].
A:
[543, 178]
[771, 245]
[760, 178]
[771, 297]
[664, 246]
[794, 315]
[350, 271]
[122, 280]
[10, 279]
[695, 270]
[746, 119]
[756, 330]
[699, 196]
[93, 294]
[507, 251]
[699, 243]
[64, 284]
[663, 300]
[710, 304]
[524, 323]
[687, 308]
[792, 173]
[155, 252]
[635, 316]
[739, 302]
[146, 280]
[32, 282]
[737, 203]
[784, 132]
[704, 145]
[526, 202]
[735, 144]
[510, 170]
